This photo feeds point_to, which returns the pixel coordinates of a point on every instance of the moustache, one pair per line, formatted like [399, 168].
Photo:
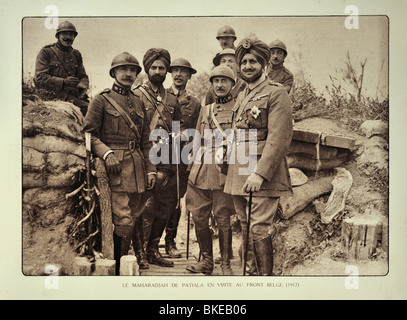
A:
[67, 40]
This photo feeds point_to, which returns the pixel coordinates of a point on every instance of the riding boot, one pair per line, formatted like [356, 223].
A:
[218, 260]
[251, 268]
[171, 233]
[204, 266]
[153, 254]
[263, 250]
[138, 245]
[224, 245]
[121, 242]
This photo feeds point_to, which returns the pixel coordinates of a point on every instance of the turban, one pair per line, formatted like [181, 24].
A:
[156, 53]
[256, 47]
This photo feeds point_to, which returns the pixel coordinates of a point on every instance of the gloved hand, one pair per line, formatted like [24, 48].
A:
[112, 164]
[253, 183]
[151, 179]
[71, 81]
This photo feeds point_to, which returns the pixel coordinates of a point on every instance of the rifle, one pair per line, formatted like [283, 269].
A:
[88, 188]
[247, 232]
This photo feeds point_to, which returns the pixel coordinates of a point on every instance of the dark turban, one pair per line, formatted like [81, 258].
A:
[156, 53]
[256, 47]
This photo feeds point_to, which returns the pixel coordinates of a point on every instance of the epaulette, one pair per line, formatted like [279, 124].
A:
[287, 71]
[107, 90]
[273, 83]
[49, 45]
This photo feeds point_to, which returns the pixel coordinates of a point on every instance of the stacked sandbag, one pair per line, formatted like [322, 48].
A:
[318, 145]
[53, 159]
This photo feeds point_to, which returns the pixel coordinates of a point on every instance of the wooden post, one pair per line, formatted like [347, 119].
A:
[107, 227]
[360, 236]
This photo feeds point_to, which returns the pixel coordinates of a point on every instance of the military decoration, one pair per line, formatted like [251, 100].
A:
[255, 112]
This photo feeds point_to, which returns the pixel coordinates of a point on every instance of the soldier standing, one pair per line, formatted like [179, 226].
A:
[162, 109]
[59, 68]
[125, 151]
[181, 71]
[266, 107]
[205, 187]
[226, 36]
[275, 69]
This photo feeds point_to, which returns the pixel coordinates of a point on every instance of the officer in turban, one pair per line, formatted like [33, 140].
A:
[264, 106]
[162, 111]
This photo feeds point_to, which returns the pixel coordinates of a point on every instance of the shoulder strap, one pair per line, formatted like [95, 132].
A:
[215, 121]
[125, 116]
[158, 112]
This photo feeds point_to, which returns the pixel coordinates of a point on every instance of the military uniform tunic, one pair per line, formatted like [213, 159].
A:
[53, 64]
[267, 109]
[162, 200]
[110, 132]
[205, 182]
[281, 75]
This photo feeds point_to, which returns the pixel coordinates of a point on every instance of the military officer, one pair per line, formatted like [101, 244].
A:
[59, 68]
[226, 36]
[205, 184]
[226, 57]
[263, 123]
[125, 152]
[161, 108]
[181, 71]
[276, 70]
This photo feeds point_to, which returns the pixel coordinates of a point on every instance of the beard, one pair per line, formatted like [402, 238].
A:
[156, 79]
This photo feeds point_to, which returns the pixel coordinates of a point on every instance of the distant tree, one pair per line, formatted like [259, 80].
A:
[351, 76]
[199, 85]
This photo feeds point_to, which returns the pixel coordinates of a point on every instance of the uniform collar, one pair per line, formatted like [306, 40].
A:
[251, 86]
[176, 91]
[62, 48]
[224, 99]
[120, 89]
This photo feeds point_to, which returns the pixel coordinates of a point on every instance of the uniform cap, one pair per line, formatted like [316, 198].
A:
[66, 26]
[226, 51]
[279, 45]
[222, 71]
[226, 31]
[181, 62]
[124, 59]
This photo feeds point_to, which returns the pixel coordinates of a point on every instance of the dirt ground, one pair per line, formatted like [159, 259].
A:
[302, 245]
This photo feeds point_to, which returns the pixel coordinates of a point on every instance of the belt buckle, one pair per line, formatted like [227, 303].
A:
[132, 145]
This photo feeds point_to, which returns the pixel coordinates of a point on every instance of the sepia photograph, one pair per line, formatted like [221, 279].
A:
[205, 153]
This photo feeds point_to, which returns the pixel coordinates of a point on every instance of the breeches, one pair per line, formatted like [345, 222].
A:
[125, 208]
[262, 215]
[202, 202]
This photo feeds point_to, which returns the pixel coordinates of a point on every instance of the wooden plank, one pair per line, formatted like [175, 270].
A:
[107, 227]
[324, 139]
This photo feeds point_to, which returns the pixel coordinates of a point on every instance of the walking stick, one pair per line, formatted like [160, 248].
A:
[247, 233]
[188, 226]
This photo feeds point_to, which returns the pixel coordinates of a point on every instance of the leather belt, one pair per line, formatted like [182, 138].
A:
[131, 145]
[253, 134]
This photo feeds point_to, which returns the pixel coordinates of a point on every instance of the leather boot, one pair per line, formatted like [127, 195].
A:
[204, 266]
[171, 233]
[153, 254]
[263, 250]
[251, 268]
[121, 245]
[218, 260]
[224, 245]
[138, 245]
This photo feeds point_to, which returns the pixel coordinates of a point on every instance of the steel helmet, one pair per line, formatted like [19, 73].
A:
[222, 71]
[226, 31]
[124, 59]
[226, 51]
[279, 45]
[181, 62]
[66, 26]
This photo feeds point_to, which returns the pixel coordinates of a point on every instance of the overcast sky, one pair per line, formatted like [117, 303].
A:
[322, 43]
